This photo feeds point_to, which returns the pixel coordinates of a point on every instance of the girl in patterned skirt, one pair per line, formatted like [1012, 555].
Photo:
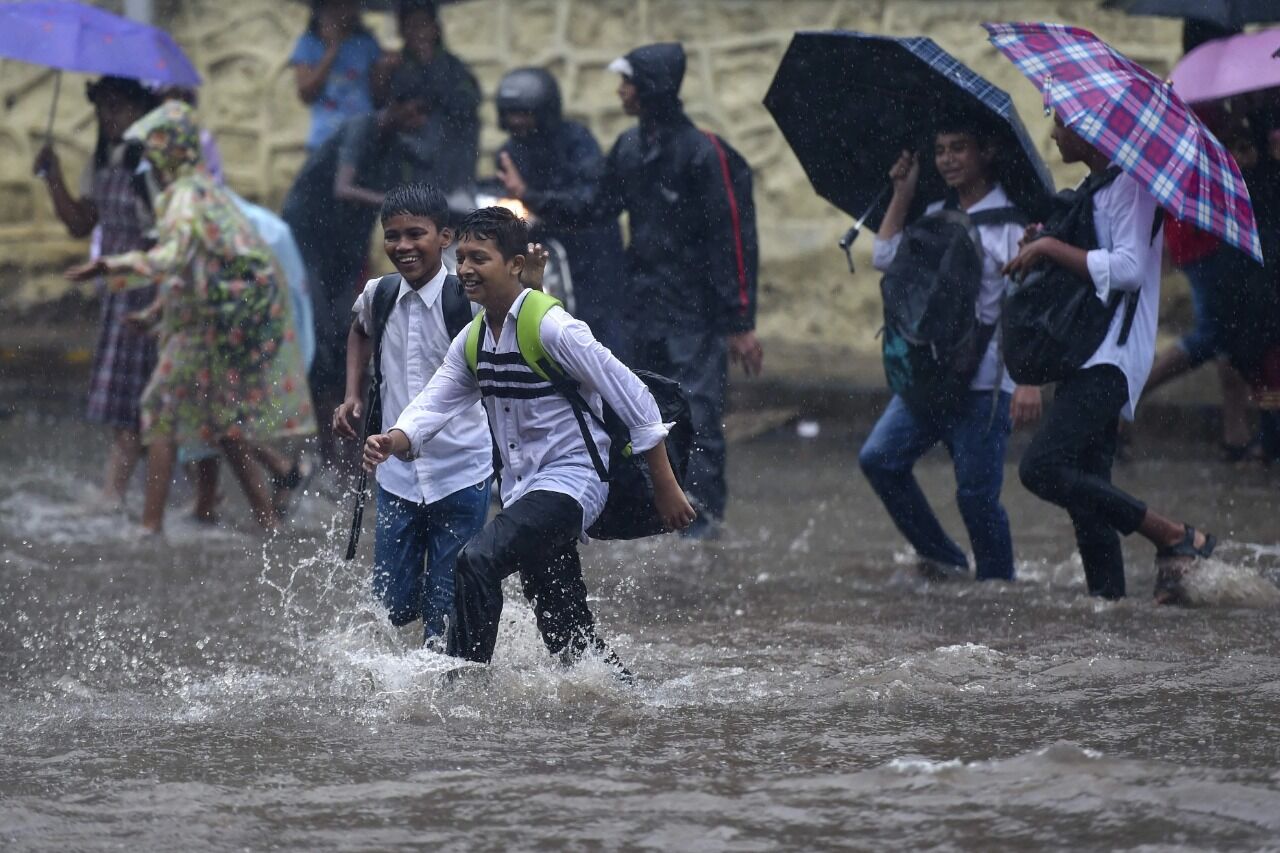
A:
[109, 202]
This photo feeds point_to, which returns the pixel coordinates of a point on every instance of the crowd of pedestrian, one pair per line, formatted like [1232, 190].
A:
[228, 331]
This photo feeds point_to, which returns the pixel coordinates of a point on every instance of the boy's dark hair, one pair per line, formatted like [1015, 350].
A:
[410, 7]
[500, 225]
[416, 199]
[980, 130]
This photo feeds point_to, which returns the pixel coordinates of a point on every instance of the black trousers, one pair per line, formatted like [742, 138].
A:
[536, 536]
[699, 361]
[1069, 464]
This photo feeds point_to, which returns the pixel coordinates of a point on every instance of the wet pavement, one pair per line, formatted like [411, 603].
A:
[796, 690]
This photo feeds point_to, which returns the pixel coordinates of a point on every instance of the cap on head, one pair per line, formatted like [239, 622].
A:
[656, 70]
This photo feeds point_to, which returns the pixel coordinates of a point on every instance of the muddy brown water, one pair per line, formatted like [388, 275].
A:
[797, 691]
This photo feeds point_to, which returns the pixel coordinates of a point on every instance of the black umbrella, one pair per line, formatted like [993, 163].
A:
[848, 103]
[1227, 14]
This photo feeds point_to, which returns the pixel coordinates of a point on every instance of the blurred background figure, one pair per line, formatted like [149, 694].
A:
[448, 142]
[333, 64]
[229, 372]
[545, 151]
[113, 202]
[331, 209]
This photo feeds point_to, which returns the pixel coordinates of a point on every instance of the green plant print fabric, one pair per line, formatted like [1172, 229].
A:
[229, 364]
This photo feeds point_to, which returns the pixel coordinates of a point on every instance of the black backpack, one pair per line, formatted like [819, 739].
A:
[1053, 321]
[933, 341]
[738, 184]
[457, 316]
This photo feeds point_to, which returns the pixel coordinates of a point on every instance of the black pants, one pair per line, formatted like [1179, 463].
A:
[1069, 464]
[699, 361]
[536, 536]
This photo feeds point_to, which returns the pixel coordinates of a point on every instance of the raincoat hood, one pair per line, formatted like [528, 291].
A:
[657, 70]
[170, 139]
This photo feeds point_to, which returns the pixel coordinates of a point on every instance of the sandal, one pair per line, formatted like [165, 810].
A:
[284, 486]
[1187, 547]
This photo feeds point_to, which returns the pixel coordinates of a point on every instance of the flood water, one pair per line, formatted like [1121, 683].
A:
[796, 691]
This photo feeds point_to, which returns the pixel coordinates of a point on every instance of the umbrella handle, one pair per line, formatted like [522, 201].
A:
[53, 111]
[846, 242]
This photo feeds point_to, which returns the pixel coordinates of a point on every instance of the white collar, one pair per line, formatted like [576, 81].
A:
[429, 292]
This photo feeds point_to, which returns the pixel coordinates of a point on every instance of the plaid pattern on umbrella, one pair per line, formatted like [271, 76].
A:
[1139, 122]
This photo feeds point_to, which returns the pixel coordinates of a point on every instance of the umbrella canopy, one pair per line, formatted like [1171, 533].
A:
[1228, 14]
[75, 37]
[1226, 67]
[848, 103]
[1139, 122]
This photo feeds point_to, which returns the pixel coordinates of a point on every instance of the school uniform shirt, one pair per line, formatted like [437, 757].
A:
[1128, 259]
[999, 246]
[414, 344]
[537, 433]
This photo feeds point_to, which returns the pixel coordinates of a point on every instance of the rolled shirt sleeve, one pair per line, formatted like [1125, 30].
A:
[1123, 217]
[570, 343]
[452, 389]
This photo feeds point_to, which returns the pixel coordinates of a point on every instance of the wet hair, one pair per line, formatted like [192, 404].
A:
[416, 199]
[980, 130]
[313, 22]
[508, 231]
[123, 88]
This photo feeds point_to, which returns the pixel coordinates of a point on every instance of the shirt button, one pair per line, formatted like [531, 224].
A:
[506, 408]
[519, 478]
[512, 446]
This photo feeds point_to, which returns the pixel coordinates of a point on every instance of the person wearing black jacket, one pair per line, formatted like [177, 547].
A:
[553, 153]
[687, 310]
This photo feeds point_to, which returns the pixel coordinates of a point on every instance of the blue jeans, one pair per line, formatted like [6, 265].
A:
[1205, 340]
[977, 443]
[409, 534]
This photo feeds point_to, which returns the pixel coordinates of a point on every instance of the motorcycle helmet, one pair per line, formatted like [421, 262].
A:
[531, 90]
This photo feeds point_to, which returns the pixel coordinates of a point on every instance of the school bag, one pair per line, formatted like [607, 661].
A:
[738, 184]
[457, 314]
[629, 512]
[1053, 321]
[933, 342]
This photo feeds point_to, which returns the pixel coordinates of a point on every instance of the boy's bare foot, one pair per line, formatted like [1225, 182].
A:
[98, 502]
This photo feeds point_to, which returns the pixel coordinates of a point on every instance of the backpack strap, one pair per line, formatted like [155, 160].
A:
[999, 216]
[735, 217]
[455, 306]
[529, 342]
[384, 301]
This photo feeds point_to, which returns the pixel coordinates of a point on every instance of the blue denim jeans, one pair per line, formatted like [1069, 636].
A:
[407, 536]
[977, 443]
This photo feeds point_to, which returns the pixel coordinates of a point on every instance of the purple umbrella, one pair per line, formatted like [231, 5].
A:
[1226, 67]
[75, 37]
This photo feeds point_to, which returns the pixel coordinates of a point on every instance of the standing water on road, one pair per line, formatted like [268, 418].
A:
[795, 690]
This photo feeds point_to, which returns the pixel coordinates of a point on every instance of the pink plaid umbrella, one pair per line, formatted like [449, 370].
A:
[1138, 121]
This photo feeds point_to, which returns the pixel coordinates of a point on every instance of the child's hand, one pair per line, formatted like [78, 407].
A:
[1029, 255]
[905, 174]
[379, 448]
[47, 165]
[673, 507]
[343, 416]
[535, 263]
[1026, 405]
[1029, 234]
[86, 271]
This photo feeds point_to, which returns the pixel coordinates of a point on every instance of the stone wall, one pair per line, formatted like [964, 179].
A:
[734, 46]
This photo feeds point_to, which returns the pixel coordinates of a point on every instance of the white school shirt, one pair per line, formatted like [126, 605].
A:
[413, 345]
[539, 438]
[999, 246]
[1127, 260]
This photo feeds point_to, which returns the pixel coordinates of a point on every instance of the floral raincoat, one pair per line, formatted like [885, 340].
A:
[229, 364]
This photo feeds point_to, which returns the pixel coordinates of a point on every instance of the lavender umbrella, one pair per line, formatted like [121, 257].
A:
[74, 37]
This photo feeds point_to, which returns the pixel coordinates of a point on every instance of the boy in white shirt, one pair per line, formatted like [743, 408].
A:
[430, 507]
[1069, 460]
[551, 492]
[976, 431]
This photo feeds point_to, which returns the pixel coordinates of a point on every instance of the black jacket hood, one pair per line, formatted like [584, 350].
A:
[657, 70]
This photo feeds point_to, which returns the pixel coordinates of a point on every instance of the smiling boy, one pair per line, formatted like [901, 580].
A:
[551, 492]
[430, 507]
